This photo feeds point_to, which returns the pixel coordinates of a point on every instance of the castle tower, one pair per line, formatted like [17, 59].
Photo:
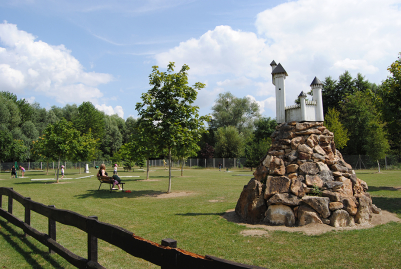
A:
[278, 76]
[316, 87]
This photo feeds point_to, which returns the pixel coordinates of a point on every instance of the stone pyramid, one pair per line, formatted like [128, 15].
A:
[304, 179]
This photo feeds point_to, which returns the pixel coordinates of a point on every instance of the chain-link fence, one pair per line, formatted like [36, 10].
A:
[356, 161]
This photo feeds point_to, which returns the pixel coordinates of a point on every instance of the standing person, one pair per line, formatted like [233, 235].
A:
[62, 172]
[102, 173]
[13, 174]
[115, 170]
[219, 166]
[22, 170]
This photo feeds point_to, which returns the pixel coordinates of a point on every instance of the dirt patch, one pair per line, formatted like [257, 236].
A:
[313, 229]
[171, 194]
[61, 182]
[255, 233]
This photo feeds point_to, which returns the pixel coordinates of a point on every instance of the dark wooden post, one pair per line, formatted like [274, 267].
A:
[168, 242]
[27, 212]
[10, 203]
[52, 229]
[92, 243]
[1, 201]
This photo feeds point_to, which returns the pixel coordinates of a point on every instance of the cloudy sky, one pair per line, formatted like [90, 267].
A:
[71, 51]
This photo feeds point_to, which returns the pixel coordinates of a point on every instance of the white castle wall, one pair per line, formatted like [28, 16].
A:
[294, 113]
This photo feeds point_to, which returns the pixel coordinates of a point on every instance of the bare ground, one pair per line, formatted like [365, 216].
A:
[310, 229]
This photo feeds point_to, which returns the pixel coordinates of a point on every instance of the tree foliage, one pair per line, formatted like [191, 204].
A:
[390, 104]
[332, 122]
[233, 111]
[166, 111]
[229, 142]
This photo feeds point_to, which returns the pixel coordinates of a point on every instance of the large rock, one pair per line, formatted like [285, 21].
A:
[251, 205]
[305, 149]
[320, 204]
[350, 205]
[292, 168]
[277, 167]
[363, 214]
[333, 206]
[309, 168]
[341, 218]
[333, 196]
[276, 185]
[280, 215]
[297, 187]
[346, 189]
[296, 141]
[313, 180]
[284, 199]
[307, 215]
[260, 173]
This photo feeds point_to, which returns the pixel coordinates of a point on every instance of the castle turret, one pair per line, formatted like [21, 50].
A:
[302, 96]
[278, 76]
[316, 87]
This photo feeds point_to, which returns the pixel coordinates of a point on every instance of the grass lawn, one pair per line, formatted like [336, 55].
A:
[194, 221]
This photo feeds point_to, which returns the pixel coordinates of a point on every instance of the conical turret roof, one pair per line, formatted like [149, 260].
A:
[316, 81]
[279, 70]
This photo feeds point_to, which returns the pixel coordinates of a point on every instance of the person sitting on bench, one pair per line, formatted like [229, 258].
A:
[102, 172]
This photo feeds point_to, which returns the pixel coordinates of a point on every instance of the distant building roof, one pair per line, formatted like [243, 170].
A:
[302, 94]
[273, 63]
[316, 81]
[279, 70]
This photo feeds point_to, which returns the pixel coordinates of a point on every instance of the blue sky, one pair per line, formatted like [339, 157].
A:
[71, 51]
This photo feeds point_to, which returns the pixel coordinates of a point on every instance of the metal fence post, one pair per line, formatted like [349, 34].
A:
[92, 245]
[52, 230]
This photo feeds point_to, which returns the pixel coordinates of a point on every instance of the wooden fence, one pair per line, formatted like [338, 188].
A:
[166, 254]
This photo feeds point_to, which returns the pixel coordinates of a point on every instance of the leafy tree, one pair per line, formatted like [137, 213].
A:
[62, 140]
[207, 152]
[167, 113]
[390, 104]
[85, 149]
[230, 143]
[90, 119]
[331, 97]
[358, 112]
[332, 122]
[255, 151]
[112, 139]
[377, 144]
[233, 111]
[264, 127]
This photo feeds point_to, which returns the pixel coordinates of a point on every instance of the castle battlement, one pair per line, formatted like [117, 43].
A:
[306, 110]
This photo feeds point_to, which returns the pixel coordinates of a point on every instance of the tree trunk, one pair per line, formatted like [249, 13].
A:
[182, 167]
[169, 170]
[147, 168]
[47, 168]
[58, 166]
[378, 165]
[80, 167]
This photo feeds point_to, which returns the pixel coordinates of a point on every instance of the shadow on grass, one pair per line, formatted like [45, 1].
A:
[17, 241]
[105, 194]
[390, 204]
[200, 214]
[383, 188]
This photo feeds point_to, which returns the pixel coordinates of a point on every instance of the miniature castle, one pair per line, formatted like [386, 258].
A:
[306, 110]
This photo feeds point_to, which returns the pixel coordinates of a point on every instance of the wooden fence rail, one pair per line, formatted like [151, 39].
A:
[166, 254]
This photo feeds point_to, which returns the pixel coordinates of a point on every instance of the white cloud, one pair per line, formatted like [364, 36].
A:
[309, 37]
[109, 110]
[269, 103]
[29, 65]
[220, 51]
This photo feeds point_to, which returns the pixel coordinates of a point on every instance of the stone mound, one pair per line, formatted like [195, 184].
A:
[304, 179]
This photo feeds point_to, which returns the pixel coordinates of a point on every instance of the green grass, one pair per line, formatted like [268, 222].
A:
[194, 221]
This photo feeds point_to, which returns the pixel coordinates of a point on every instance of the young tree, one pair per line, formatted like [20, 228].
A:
[62, 139]
[377, 145]
[166, 111]
[264, 127]
[255, 151]
[332, 122]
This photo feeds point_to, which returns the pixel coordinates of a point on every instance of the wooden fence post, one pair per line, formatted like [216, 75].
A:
[1, 201]
[10, 203]
[92, 245]
[52, 230]
[27, 212]
[168, 242]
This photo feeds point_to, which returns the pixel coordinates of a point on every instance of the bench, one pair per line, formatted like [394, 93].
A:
[110, 181]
